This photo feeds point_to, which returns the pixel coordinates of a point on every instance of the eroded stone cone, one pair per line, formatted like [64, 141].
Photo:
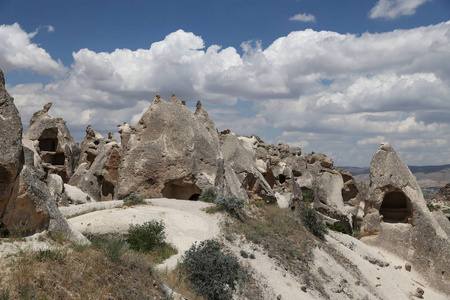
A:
[26, 205]
[54, 143]
[397, 219]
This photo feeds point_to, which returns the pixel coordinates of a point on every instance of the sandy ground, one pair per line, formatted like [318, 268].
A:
[184, 221]
[349, 276]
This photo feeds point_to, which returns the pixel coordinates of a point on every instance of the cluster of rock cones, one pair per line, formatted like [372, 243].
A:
[174, 153]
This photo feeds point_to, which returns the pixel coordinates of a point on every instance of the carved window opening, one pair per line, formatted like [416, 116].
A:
[396, 208]
[48, 140]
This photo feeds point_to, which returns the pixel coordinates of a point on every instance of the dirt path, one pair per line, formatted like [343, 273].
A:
[184, 221]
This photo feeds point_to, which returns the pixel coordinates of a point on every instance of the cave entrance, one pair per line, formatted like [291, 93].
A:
[48, 140]
[181, 189]
[396, 208]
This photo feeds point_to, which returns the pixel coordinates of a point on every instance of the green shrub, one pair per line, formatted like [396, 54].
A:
[4, 294]
[146, 237]
[213, 274]
[114, 248]
[313, 222]
[133, 200]
[208, 195]
[230, 203]
[338, 227]
[308, 196]
[244, 254]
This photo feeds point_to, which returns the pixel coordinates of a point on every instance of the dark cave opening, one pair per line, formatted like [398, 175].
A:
[396, 208]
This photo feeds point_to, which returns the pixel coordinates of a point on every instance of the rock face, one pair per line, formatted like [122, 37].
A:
[243, 164]
[444, 193]
[397, 219]
[174, 153]
[54, 144]
[336, 197]
[10, 148]
[97, 171]
[289, 173]
[26, 205]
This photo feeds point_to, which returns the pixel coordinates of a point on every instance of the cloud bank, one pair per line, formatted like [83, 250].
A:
[340, 94]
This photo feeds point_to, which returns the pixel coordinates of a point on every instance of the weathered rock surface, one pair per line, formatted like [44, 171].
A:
[443, 194]
[331, 198]
[173, 153]
[289, 173]
[397, 219]
[10, 147]
[54, 143]
[97, 171]
[26, 205]
[55, 185]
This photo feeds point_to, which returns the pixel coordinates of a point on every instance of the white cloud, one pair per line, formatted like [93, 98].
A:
[305, 17]
[391, 9]
[18, 52]
[329, 92]
[50, 28]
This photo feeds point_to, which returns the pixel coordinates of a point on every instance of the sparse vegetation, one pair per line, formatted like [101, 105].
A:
[113, 247]
[213, 274]
[338, 227]
[133, 200]
[308, 196]
[231, 204]
[208, 195]
[313, 222]
[81, 275]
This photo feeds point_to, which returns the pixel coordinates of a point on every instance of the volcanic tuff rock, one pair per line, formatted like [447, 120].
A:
[289, 173]
[10, 147]
[52, 140]
[97, 171]
[397, 219]
[444, 193]
[26, 205]
[174, 153]
[334, 198]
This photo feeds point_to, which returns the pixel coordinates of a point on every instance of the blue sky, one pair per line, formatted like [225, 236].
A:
[330, 76]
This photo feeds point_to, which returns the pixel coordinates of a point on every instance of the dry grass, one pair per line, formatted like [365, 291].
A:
[283, 236]
[84, 274]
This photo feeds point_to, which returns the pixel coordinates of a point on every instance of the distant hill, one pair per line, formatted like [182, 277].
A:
[427, 176]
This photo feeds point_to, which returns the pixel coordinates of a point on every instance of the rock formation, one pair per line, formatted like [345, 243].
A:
[336, 197]
[26, 205]
[10, 148]
[443, 194]
[398, 219]
[97, 171]
[289, 173]
[54, 144]
[174, 153]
